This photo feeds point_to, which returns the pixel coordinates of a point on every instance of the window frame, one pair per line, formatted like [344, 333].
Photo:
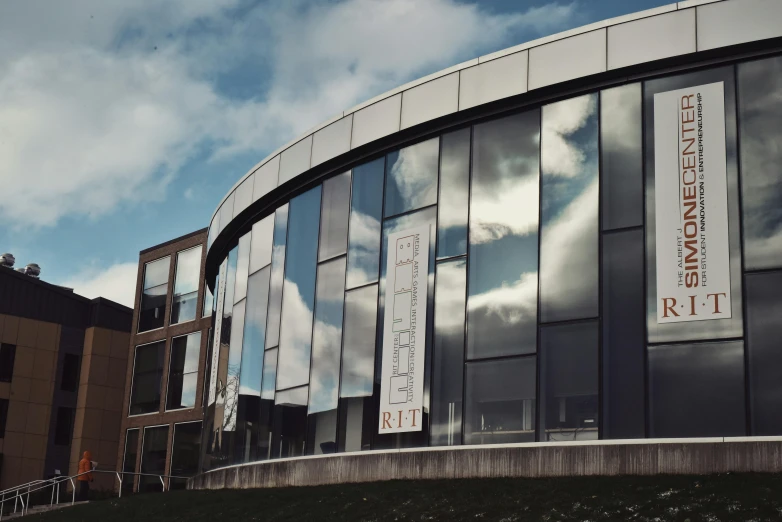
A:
[166, 409]
[133, 378]
[141, 295]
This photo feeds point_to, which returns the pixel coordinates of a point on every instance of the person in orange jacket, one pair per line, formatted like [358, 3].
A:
[85, 477]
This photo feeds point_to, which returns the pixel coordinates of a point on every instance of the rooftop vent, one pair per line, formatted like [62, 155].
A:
[7, 260]
[33, 270]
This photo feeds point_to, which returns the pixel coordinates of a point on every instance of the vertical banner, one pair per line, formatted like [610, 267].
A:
[691, 205]
[216, 333]
[404, 331]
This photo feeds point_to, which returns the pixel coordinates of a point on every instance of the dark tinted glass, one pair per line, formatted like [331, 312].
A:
[63, 429]
[153, 458]
[147, 375]
[129, 459]
[3, 416]
[290, 422]
[185, 451]
[254, 338]
[7, 357]
[569, 382]
[569, 210]
[71, 368]
[358, 350]
[448, 358]
[764, 331]
[356, 424]
[277, 277]
[624, 350]
[299, 290]
[183, 371]
[322, 432]
[334, 217]
[500, 399]
[760, 119]
[152, 311]
[261, 247]
[503, 273]
[366, 212]
[621, 156]
[712, 329]
[696, 390]
[266, 413]
[188, 272]
[454, 194]
[411, 182]
[231, 394]
[242, 267]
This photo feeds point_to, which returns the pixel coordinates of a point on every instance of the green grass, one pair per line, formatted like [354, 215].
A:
[756, 497]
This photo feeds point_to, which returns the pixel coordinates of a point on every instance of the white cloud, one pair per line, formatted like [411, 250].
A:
[117, 282]
[560, 120]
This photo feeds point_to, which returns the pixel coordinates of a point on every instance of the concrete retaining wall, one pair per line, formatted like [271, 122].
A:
[641, 457]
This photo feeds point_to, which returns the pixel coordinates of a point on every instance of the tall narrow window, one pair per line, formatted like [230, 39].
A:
[188, 270]
[262, 242]
[152, 311]
[290, 422]
[129, 459]
[366, 213]
[183, 371]
[334, 217]
[454, 194]
[208, 301]
[411, 181]
[277, 276]
[242, 267]
[63, 428]
[71, 367]
[268, 387]
[147, 375]
[153, 458]
[184, 453]
[7, 357]
[3, 416]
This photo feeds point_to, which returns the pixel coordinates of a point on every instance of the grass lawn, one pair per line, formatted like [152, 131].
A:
[746, 497]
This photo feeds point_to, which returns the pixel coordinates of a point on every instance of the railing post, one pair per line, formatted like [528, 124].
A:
[162, 482]
[27, 507]
[120, 485]
[73, 486]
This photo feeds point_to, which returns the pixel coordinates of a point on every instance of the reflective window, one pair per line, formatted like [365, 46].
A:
[277, 276]
[262, 243]
[503, 273]
[266, 412]
[290, 422]
[254, 333]
[152, 311]
[448, 357]
[208, 301]
[129, 459]
[712, 329]
[226, 334]
[366, 211]
[299, 290]
[326, 349]
[183, 371]
[696, 390]
[764, 331]
[569, 210]
[185, 451]
[231, 391]
[454, 194]
[760, 113]
[621, 156]
[242, 268]
[624, 349]
[188, 272]
[569, 382]
[334, 216]
[153, 458]
[7, 358]
[500, 401]
[412, 177]
[356, 424]
[147, 376]
[71, 369]
[269, 383]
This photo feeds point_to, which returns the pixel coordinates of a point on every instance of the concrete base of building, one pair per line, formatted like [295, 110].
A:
[618, 457]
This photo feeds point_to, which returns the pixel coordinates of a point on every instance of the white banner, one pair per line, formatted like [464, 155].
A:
[216, 332]
[691, 205]
[404, 331]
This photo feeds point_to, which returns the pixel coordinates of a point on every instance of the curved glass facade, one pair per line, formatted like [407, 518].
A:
[542, 318]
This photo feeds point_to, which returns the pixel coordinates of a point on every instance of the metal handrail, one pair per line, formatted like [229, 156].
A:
[56, 481]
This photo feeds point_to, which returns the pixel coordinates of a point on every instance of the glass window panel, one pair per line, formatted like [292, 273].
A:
[502, 305]
[208, 301]
[760, 114]
[624, 350]
[7, 358]
[697, 390]
[183, 371]
[183, 307]
[234, 368]
[356, 424]
[129, 459]
[358, 349]
[269, 383]
[188, 270]
[322, 432]
[299, 290]
[500, 399]
[569, 382]
[412, 177]
[266, 413]
[621, 156]
[366, 212]
[262, 243]
[156, 272]
[63, 428]
[152, 311]
[711, 329]
[71, 369]
[454, 194]
[222, 410]
[334, 217]
[242, 267]
[290, 422]
[185, 452]
[764, 331]
[147, 376]
[3, 416]
[254, 333]
[448, 358]
[277, 277]
[569, 210]
[153, 458]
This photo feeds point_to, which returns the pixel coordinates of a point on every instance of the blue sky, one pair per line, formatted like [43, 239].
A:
[122, 124]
